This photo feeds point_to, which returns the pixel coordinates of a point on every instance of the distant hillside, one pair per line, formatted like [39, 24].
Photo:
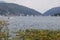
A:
[12, 9]
[53, 12]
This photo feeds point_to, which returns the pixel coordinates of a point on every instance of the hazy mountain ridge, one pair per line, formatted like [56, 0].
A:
[12, 9]
[53, 12]
[16, 10]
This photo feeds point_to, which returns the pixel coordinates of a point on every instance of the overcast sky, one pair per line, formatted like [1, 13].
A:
[39, 5]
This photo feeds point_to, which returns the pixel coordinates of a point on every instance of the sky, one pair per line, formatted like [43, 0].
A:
[39, 5]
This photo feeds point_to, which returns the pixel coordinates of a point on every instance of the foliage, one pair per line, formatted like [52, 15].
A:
[35, 34]
[4, 34]
[2, 24]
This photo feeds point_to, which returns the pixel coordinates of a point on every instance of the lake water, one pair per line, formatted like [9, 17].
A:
[37, 22]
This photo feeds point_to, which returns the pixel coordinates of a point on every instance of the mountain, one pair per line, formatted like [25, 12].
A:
[12, 9]
[53, 12]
